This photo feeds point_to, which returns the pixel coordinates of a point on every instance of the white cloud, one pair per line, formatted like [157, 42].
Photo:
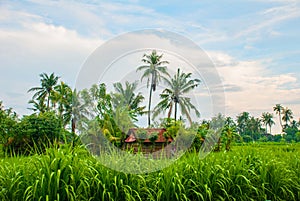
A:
[256, 88]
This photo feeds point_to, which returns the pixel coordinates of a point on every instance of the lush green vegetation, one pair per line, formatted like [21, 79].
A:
[248, 172]
[42, 156]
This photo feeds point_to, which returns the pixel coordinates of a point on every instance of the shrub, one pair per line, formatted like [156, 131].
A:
[36, 130]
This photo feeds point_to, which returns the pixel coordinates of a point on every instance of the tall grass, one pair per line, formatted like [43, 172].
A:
[259, 172]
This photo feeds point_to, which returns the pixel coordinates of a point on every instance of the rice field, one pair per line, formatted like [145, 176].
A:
[249, 172]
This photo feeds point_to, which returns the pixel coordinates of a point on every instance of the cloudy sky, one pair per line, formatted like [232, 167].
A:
[254, 44]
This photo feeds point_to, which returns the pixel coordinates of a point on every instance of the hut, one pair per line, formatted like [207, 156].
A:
[146, 140]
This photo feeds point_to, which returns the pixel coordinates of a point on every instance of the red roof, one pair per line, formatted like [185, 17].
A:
[160, 138]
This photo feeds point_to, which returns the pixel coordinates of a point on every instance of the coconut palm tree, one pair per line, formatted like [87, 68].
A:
[127, 98]
[242, 121]
[62, 96]
[153, 70]
[279, 109]
[37, 106]
[287, 116]
[179, 85]
[267, 119]
[44, 91]
[80, 111]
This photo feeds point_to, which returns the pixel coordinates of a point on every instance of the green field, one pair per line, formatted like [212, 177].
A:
[249, 172]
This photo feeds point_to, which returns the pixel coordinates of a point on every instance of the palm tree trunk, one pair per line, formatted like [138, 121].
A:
[175, 110]
[149, 106]
[280, 122]
[73, 125]
[170, 111]
[48, 101]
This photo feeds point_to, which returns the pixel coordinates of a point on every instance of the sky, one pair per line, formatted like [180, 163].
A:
[254, 44]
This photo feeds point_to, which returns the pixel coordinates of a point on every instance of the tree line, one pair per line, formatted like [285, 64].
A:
[60, 113]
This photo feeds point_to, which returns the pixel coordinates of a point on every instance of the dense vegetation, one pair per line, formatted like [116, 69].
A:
[44, 157]
[257, 172]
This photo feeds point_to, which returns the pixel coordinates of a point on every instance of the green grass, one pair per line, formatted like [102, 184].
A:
[256, 172]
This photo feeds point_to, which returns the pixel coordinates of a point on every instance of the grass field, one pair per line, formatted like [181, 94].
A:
[249, 172]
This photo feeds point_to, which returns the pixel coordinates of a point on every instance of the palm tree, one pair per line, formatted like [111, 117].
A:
[267, 119]
[126, 97]
[38, 106]
[80, 112]
[287, 116]
[62, 95]
[242, 120]
[279, 109]
[179, 85]
[44, 91]
[228, 135]
[154, 70]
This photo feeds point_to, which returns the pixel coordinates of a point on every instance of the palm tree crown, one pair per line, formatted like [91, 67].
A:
[179, 85]
[44, 91]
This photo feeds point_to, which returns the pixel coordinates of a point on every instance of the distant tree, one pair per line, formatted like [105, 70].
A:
[229, 133]
[153, 70]
[267, 119]
[242, 120]
[44, 91]
[287, 116]
[279, 109]
[178, 86]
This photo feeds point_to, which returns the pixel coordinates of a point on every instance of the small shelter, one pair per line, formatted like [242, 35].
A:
[146, 140]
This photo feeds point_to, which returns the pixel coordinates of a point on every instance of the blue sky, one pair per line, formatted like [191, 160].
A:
[253, 43]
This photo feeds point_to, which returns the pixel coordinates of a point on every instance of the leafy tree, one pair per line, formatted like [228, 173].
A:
[36, 130]
[267, 119]
[153, 70]
[44, 91]
[279, 109]
[179, 85]
[8, 122]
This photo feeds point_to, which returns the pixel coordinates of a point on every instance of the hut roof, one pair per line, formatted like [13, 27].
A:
[132, 135]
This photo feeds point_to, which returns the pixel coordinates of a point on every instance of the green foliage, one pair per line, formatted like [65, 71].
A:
[153, 137]
[257, 172]
[8, 123]
[36, 130]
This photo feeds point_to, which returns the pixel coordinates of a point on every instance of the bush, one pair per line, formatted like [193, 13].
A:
[36, 130]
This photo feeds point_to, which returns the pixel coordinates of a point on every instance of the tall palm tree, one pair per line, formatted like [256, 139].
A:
[153, 70]
[279, 109]
[287, 116]
[267, 119]
[62, 95]
[126, 97]
[179, 85]
[44, 91]
[80, 111]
